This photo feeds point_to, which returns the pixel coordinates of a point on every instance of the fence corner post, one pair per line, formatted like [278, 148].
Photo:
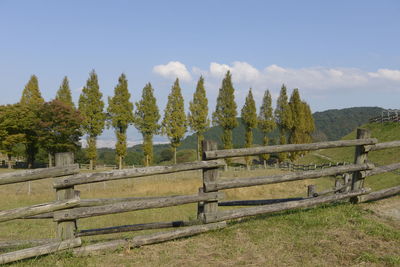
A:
[360, 157]
[65, 229]
[209, 210]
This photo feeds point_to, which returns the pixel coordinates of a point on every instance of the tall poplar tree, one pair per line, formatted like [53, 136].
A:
[64, 93]
[283, 118]
[298, 130]
[225, 112]
[310, 124]
[31, 95]
[198, 114]
[266, 121]
[174, 122]
[146, 121]
[120, 112]
[32, 101]
[249, 117]
[91, 107]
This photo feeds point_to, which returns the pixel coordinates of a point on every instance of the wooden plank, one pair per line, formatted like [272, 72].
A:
[387, 192]
[17, 213]
[160, 202]
[39, 250]
[37, 174]
[135, 227]
[360, 157]
[240, 152]
[85, 178]
[142, 240]
[257, 202]
[384, 169]
[279, 178]
[18, 243]
[209, 176]
[385, 145]
[244, 212]
[66, 229]
[92, 202]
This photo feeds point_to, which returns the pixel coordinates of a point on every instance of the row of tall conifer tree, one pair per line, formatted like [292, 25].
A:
[292, 117]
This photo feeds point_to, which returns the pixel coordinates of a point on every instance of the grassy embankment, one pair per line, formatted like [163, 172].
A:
[340, 234]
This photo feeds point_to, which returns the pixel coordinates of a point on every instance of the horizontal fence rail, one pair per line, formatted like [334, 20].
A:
[133, 205]
[387, 192]
[85, 178]
[8, 215]
[286, 177]
[37, 174]
[241, 152]
[142, 240]
[40, 250]
[383, 169]
[244, 212]
[136, 227]
[385, 145]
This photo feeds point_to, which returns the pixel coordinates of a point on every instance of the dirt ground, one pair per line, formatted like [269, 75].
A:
[388, 209]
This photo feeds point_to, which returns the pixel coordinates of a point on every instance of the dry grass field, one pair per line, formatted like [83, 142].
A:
[340, 234]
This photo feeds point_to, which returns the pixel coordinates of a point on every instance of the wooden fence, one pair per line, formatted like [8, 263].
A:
[69, 207]
[388, 115]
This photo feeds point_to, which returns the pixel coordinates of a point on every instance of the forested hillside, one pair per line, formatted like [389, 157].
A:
[333, 124]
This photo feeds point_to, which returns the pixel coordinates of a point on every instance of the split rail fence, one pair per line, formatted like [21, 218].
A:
[68, 207]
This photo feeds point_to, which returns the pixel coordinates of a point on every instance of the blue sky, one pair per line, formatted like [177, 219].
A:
[338, 53]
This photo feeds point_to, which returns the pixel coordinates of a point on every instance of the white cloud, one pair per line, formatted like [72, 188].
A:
[316, 84]
[386, 74]
[173, 70]
[241, 71]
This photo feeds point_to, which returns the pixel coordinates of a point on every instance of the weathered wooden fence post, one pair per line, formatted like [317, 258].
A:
[209, 208]
[361, 155]
[311, 190]
[65, 229]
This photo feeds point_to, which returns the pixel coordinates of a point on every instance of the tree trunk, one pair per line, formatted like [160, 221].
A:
[50, 160]
[198, 146]
[9, 161]
[200, 138]
[120, 163]
[91, 165]
[174, 149]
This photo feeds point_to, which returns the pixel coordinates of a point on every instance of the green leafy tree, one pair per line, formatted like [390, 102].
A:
[31, 95]
[59, 128]
[64, 93]
[10, 135]
[91, 107]
[310, 124]
[198, 114]
[19, 124]
[32, 101]
[283, 118]
[266, 121]
[174, 122]
[249, 117]
[298, 129]
[225, 112]
[146, 121]
[120, 111]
